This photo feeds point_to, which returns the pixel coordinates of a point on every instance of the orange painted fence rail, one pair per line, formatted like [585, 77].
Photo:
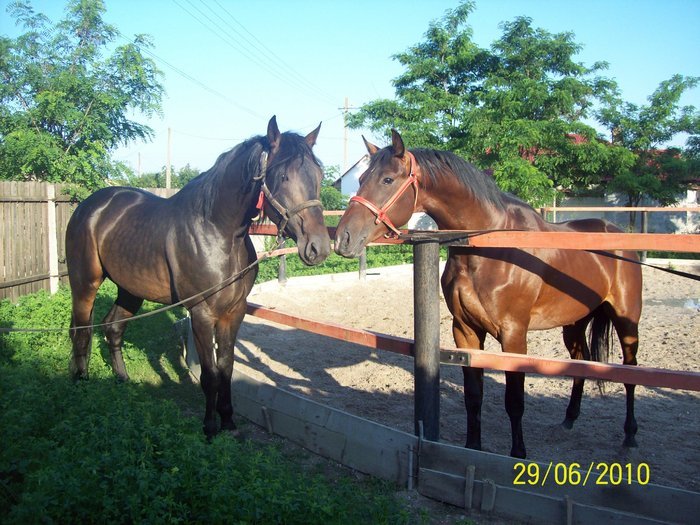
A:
[651, 377]
[563, 240]
[615, 209]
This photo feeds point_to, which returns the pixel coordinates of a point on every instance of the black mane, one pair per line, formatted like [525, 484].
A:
[233, 171]
[441, 164]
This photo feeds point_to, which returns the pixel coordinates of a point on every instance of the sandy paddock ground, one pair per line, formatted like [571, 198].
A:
[378, 385]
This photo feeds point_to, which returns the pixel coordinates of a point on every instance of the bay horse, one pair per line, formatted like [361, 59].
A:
[169, 250]
[504, 292]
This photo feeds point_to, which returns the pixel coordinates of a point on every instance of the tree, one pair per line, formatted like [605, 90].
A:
[331, 198]
[517, 108]
[656, 173]
[64, 105]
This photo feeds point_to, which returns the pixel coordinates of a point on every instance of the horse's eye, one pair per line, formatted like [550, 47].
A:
[284, 177]
[387, 180]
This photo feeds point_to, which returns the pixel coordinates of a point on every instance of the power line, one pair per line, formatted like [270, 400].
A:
[269, 53]
[195, 81]
[214, 26]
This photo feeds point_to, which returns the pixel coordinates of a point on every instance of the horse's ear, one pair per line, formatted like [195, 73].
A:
[273, 134]
[397, 144]
[311, 137]
[371, 148]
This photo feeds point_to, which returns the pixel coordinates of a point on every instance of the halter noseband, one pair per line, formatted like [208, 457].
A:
[381, 213]
[265, 193]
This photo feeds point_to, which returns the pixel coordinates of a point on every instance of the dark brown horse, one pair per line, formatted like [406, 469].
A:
[168, 250]
[503, 292]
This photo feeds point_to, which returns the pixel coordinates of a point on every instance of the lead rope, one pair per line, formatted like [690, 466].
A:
[200, 295]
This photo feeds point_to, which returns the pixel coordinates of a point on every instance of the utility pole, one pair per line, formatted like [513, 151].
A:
[345, 138]
[167, 165]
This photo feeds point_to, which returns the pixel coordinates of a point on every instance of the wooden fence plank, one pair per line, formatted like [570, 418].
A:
[653, 501]
[356, 442]
[25, 259]
[443, 470]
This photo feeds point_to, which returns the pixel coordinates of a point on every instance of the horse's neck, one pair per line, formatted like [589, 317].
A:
[458, 209]
[453, 210]
[226, 204]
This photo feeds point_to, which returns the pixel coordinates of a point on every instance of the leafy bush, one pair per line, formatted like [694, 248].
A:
[109, 452]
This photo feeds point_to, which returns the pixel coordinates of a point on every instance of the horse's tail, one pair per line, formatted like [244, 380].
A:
[599, 339]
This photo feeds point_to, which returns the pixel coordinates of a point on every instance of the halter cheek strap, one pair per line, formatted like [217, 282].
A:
[381, 213]
[265, 193]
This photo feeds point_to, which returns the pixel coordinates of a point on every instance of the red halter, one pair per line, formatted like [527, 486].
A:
[381, 213]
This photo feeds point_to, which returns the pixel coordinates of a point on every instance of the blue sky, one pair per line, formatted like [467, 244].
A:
[300, 59]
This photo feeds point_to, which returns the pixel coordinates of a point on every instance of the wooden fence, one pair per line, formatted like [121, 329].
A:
[33, 220]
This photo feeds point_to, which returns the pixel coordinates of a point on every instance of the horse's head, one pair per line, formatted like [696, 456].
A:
[293, 183]
[383, 201]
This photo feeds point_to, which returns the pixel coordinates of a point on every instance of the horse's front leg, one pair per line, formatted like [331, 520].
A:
[467, 337]
[515, 340]
[226, 331]
[203, 332]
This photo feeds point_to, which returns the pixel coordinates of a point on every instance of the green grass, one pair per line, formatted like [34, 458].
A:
[100, 451]
[674, 255]
[377, 256]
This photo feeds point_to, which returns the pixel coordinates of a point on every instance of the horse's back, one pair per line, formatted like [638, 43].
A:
[619, 267]
[555, 287]
[119, 232]
[590, 225]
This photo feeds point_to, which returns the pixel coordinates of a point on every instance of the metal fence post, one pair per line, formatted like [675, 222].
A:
[426, 323]
[282, 271]
[363, 264]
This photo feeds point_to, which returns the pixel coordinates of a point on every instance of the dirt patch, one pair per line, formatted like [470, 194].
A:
[379, 385]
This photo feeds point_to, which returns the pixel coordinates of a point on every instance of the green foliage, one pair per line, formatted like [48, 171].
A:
[100, 451]
[516, 107]
[377, 256]
[64, 105]
[521, 108]
[179, 178]
[331, 198]
[660, 175]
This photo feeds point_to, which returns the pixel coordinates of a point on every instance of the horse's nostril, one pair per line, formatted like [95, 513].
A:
[312, 252]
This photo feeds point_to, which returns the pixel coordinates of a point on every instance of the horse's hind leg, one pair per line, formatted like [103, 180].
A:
[628, 334]
[83, 292]
[83, 303]
[123, 308]
[575, 341]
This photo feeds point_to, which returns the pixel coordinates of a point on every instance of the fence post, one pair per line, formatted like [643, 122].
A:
[644, 228]
[426, 326]
[52, 240]
[363, 264]
[282, 272]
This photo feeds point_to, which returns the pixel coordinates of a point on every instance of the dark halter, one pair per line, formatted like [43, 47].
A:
[265, 193]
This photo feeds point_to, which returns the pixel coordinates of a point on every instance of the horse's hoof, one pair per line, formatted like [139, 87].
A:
[518, 453]
[229, 427]
[77, 372]
[210, 430]
[630, 442]
[568, 424]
